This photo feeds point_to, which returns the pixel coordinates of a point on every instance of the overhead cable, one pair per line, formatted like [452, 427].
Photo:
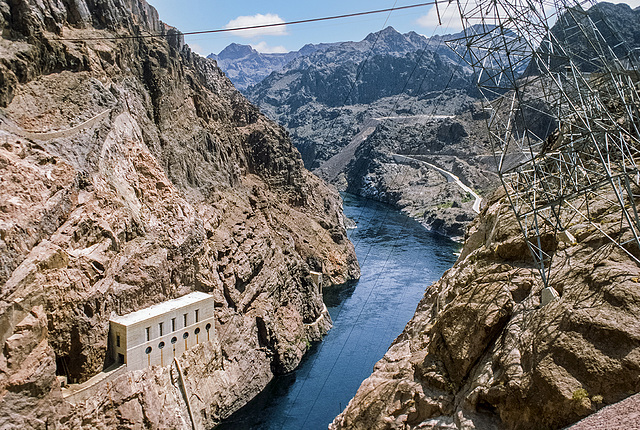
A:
[255, 27]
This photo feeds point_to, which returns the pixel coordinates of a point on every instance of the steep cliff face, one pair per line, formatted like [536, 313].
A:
[133, 172]
[483, 352]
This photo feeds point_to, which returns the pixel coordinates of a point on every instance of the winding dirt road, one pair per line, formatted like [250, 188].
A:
[56, 134]
[448, 175]
[336, 164]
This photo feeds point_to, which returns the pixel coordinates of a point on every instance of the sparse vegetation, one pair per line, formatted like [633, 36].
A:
[580, 394]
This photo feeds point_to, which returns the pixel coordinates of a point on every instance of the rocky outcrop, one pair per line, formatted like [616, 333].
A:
[133, 172]
[483, 352]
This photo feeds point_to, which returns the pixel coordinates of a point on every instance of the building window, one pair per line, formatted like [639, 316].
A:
[185, 335]
[184, 317]
[208, 327]
[118, 340]
[161, 345]
[148, 331]
[197, 316]
[173, 324]
[197, 331]
[174, 339]
[160, 328]
[148, 350]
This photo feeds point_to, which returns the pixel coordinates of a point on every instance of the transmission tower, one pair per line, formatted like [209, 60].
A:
[560, 88]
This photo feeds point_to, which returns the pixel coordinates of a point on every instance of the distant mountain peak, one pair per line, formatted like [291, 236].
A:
[385, 33]
[236, 50]
[389, 30]
[245, 66]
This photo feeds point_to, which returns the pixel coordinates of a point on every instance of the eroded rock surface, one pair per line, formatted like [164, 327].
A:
[482, 352]
[132, 172]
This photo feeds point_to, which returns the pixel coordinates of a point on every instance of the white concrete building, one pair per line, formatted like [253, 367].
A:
[154, 335]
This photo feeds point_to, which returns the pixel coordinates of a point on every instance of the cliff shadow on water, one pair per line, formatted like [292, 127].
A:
[399, 258]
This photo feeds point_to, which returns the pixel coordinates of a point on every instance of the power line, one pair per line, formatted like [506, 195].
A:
[376, 283]
[255, 27]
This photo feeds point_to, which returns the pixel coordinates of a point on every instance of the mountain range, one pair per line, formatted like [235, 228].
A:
[327, 95]
[245, 66]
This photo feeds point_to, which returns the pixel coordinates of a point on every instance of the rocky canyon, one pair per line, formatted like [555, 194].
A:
[508, 339]
[133, 172]
[484, 352]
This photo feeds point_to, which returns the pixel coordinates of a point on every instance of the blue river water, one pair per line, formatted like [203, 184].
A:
[398, 259]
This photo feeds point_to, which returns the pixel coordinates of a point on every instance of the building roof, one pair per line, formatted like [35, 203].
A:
[161, 308]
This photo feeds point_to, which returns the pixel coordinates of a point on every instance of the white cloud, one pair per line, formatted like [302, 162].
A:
[196, 48]
[258, 19]
[449, 16]
[266, 49]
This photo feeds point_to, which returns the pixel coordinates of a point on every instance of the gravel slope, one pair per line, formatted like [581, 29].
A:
[621, 415]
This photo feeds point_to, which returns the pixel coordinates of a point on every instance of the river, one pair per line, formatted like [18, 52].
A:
[398, 259]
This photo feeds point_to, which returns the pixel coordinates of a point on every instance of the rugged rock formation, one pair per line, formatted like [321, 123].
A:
[482, 352]
[617, 23]
[133, 172]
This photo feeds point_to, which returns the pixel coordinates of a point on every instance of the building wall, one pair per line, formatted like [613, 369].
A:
[134, 343]
[118, 331]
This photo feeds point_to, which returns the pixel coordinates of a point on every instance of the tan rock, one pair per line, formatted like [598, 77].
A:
[482, 340]
[133, 173]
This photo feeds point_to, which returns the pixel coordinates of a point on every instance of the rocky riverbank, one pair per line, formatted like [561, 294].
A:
[483, 352]
[133, 172]
[411, 162]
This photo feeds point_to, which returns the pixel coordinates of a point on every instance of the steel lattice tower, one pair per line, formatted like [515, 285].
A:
[560, 89]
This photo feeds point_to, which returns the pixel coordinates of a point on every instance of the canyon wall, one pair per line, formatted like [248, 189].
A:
[483, 352]
[133, 172]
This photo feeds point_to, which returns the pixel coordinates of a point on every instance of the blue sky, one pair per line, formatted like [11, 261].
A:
[195, 15]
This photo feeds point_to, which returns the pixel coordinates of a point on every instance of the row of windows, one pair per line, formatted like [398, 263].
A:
[174, 327]
[174, 339]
